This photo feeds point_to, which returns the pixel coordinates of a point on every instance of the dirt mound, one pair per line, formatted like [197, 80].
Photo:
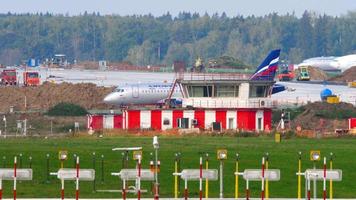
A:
[87, 65]
[346, 76]
[325, 117]
[47, 95]
[314, 73]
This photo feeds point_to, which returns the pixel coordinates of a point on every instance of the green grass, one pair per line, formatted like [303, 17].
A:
[282, 156]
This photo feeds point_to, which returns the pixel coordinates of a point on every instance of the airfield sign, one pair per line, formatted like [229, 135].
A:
[256, 174]
[21, 174]
[318, 174]
[71, 174]
[131, 174]
[194, 174]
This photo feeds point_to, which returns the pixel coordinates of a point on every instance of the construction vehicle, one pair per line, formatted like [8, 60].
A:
[303, 74]
[198, 66]
[285, 73]
[8, 77]
[31, 79]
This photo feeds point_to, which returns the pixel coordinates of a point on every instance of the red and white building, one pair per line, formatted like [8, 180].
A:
[225, 119]
[352, 123]
[210, 101]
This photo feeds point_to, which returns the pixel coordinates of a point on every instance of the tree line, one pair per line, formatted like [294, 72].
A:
[149, 40]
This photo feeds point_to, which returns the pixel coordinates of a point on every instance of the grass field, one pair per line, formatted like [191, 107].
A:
[282, 156]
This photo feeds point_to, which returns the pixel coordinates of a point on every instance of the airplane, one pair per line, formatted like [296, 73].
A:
[157, 93]
[331, 63]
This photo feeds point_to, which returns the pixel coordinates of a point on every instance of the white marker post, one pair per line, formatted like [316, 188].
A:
[263, 179]
[15, 168]
[139, 179]
[77, 180]
[201, 178]
[62, 189]
[0, 189]
[124, 189]
[247, 190]
[185, 189]
[324, 179]
[308, 188]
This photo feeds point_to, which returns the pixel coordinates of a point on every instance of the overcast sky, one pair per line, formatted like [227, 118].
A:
[159, 7]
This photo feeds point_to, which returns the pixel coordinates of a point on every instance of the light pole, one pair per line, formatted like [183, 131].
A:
[156, 147]
[221, 155]
[314, 156]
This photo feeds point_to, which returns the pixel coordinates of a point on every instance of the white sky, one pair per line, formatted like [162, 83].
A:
[159, 7]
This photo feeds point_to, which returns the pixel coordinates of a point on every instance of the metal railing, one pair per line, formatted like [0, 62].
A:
[227, 103]
[212, 76]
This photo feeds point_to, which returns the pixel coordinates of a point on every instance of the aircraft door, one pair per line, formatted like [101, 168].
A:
[135, 91]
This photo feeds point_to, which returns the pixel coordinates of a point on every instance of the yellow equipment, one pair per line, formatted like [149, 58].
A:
[303, 74]
[333, 99]
[277, 137]
[352, 84]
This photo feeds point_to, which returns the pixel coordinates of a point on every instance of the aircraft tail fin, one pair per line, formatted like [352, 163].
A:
[266, 71]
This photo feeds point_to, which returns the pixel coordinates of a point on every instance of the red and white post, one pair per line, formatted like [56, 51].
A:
[62, 189]
[139, 179]
[186, 189]
[15, 175]
[263, 179]
[124, 189]
[247, 190]
[201, 178]
[324, 180]
[308, 188]
[0, 189]
[77, 180]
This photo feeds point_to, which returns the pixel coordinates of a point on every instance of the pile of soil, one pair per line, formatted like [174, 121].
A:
[47, 95]
[347, 76]
[313, 118]
[315, 74]
[91, 65]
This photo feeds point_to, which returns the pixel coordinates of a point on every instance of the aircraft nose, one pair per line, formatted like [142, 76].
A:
[110, 98]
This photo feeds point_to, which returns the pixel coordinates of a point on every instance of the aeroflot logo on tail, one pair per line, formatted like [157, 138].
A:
[272, 65]
[268, 67]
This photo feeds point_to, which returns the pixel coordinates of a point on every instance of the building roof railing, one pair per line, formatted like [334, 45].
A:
[212, 76]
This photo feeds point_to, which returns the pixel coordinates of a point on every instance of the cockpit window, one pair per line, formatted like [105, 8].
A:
[119, 90]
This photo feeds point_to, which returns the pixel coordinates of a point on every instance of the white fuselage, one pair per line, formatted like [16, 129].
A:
[142, 93]
[341, 63]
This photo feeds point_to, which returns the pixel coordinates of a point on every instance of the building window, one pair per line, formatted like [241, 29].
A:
[166, 121]
[226, 91]
[259, 124]
[258, 91]
[200, 91]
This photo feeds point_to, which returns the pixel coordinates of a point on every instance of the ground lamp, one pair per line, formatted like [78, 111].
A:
[62, 156]
[314, 156]
[156, 147]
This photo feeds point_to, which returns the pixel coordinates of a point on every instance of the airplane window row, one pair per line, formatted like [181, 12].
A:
[157, 91]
